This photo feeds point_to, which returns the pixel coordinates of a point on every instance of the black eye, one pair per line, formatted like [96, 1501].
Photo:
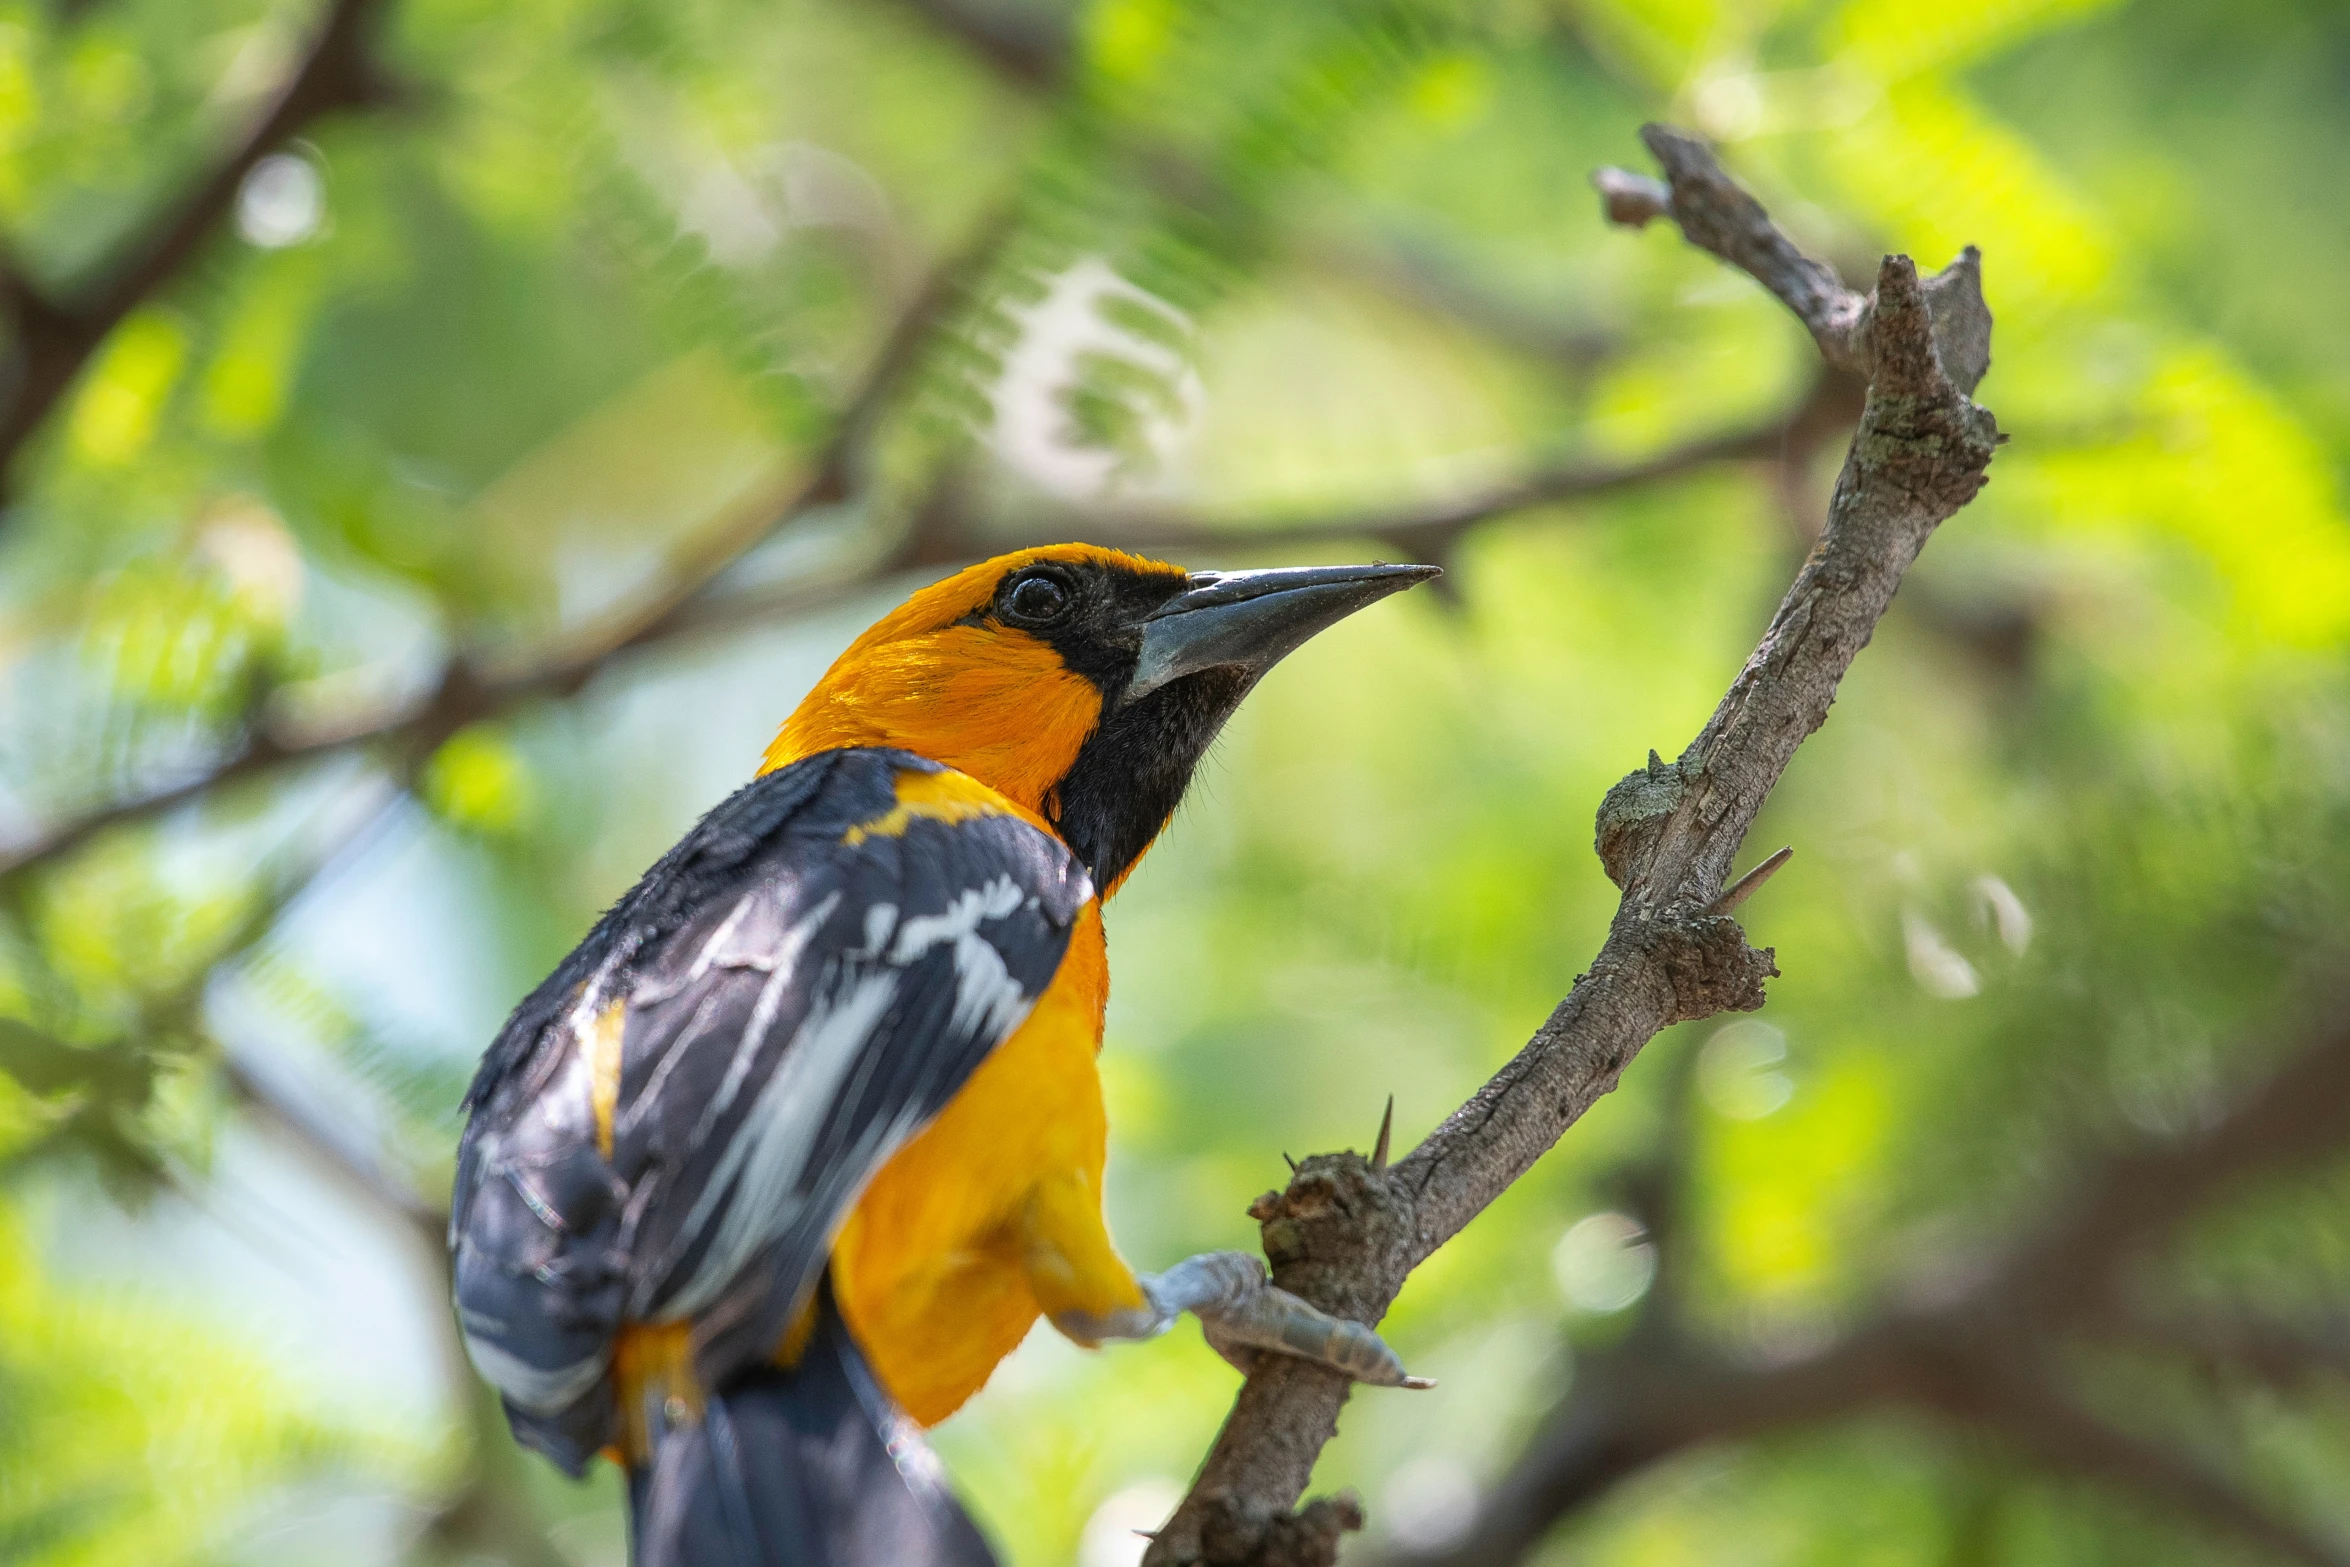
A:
[1035, 600]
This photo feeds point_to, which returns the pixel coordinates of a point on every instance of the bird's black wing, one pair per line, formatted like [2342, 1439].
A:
[674, 1125]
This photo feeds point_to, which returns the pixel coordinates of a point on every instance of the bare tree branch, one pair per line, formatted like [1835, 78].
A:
[2300, 1114]
[692, 604]
[1637, 1407]
[1020, 43]
[2068, 1439]
[490, 1510]
[471, 689]
[55, 336]
[2277, 1354]
[690, 601]
[1987, 1358]
[1630, 1412]
[1715, 213]
[1345, 1236]
[1433, 532]
[949, 539]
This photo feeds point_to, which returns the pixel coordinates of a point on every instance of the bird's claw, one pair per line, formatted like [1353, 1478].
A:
[1242, 1312]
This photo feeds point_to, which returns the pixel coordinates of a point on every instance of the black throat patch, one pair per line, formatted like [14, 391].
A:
[1131, 772]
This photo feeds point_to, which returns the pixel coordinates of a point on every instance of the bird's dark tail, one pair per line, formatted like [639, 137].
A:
[811, 1467]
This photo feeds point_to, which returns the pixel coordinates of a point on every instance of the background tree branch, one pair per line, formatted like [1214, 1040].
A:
[1716, 214]
[1027, 48]
[1029, 52]
[470, 687]
[693, 601]
[489, 1509]
[54, 336]
[1989, 1358]
[1345, 1234]
[310, 488]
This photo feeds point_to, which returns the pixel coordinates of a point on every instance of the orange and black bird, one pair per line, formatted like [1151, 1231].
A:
[797, 1145]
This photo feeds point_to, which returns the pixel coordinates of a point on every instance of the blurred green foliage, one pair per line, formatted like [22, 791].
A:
[470, 371]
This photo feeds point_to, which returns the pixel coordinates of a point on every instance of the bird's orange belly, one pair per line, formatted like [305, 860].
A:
[929, 1269]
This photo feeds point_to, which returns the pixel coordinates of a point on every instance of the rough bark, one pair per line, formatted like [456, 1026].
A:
[1346, 1235]
[1987, 1357]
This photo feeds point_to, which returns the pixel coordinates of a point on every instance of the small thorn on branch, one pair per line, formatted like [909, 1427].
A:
[1744, 887]
[1386, 1126]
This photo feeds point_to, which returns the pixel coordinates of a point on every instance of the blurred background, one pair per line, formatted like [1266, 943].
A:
[443, 438]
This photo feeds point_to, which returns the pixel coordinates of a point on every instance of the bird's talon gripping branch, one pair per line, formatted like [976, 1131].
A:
[1241, 1312]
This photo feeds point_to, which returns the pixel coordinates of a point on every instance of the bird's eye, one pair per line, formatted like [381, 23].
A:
[1036, 601]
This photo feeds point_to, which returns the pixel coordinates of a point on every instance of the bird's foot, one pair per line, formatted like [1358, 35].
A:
[1243, 1312]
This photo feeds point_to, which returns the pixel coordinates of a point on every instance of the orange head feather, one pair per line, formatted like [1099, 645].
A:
[938, 677]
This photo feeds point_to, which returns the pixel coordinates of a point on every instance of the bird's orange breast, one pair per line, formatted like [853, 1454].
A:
[930, 1269]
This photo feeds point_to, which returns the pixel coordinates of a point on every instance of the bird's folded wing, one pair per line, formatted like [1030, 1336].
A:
[673, 1128]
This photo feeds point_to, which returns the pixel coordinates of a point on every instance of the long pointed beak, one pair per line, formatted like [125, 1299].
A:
[1251, 620]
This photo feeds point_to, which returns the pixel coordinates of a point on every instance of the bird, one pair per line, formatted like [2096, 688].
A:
[773, 1169]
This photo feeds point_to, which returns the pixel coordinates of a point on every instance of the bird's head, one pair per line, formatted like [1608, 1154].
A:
[1082, 683]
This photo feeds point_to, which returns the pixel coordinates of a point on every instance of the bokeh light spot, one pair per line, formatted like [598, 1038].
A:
[1429, 1503]
[1604, 1263]
[282, 202]
[1738, 1072]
